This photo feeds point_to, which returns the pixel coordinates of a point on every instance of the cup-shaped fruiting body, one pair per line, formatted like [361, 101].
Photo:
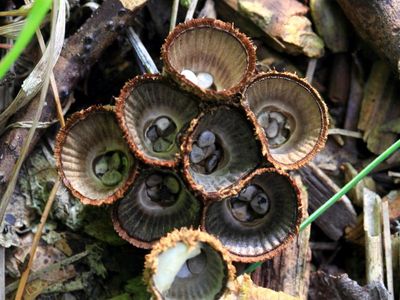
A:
[209, 58]
[188, 264]
[157, 203]
[93, 158]
[220, 150]
[260, 220]
[152, 113]
[290, 116]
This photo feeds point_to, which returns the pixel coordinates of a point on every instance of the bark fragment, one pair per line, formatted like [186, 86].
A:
[320, 188]
[377, 23]
[289, 271]
[325, 286]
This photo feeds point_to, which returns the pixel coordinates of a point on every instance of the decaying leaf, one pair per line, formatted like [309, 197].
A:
[381, 95]
[331, 24]
[45, 256]
[286, 22]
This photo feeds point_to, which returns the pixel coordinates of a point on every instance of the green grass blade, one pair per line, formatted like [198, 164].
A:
[323, 208]
[364, 172]
[253, 267]
[33, 21]
[22, 11]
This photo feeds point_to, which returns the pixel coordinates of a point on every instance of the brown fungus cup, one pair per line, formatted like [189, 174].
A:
[188, 264]
[219, 152]
[92, 157]
[209, 57]
[290, 116]
[259, 221]
[153, 112]
[157, 203]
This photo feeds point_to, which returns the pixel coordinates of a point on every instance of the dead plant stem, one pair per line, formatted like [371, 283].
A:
[36, 239]
[49, 203]
[312, 64]
[52, 81]
[52, 78]
[191, 10]
[174, 14]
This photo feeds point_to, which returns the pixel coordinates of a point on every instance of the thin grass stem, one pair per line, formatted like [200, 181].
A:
[24, 278]
[36, 239]
[174, 14]
[22, 11]
[312, 64]
[143, 56]
[360, 176]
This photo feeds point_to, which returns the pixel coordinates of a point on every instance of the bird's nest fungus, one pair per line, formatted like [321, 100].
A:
[212, 139]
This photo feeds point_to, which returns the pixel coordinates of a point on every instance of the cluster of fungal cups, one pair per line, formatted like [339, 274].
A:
[205, 145]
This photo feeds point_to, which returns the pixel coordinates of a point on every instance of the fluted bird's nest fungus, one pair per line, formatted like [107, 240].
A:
[206, 135]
